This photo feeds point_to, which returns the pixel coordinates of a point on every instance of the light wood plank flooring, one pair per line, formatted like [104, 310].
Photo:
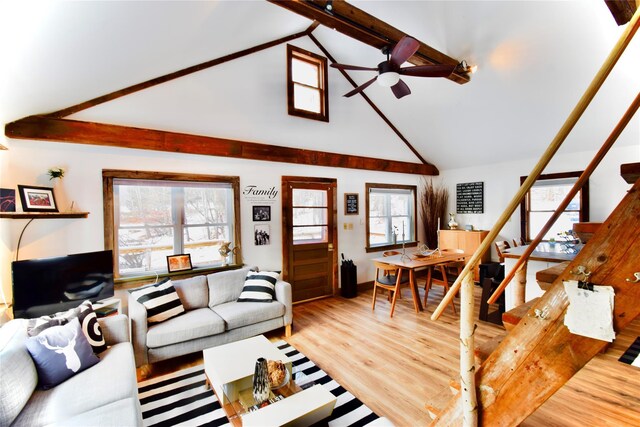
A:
[395, 365]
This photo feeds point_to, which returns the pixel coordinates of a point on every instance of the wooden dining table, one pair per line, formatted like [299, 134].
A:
[412, 261]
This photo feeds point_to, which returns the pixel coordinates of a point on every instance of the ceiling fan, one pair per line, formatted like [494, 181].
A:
[389, 71]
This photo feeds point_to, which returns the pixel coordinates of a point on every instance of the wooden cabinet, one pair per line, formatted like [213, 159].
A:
[468, 241]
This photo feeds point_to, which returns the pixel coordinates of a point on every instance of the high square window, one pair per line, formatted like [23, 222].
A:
[307, 84]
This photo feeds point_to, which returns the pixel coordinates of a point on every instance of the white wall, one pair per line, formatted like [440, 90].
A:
[28, 161]
[502, 181]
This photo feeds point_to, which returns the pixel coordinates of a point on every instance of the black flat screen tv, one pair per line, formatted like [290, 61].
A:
[48, 285]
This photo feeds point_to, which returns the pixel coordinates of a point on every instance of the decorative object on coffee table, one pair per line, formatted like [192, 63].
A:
[261, 386]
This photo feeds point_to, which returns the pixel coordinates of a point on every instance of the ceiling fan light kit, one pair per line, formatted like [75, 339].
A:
[388, 79]
[389, 71]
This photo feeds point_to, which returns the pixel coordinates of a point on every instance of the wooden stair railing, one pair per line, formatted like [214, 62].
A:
[540, 354]
[584, 177]
[468, 407]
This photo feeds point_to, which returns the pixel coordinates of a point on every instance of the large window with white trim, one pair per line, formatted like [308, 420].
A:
[391, 216]
[155, 215]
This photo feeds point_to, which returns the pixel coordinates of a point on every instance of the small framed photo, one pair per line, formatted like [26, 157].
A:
[351, 203]
[180, 262]
[262, 235]
[7, 200]
[262, 213]
[37, 199]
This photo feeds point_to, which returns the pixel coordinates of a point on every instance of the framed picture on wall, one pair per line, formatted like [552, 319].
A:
[351, 203]
[262, 213]
[262, 235]
[180, 262]
[37, 199]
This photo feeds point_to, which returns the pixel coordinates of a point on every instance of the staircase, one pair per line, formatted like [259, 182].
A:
[539, 354]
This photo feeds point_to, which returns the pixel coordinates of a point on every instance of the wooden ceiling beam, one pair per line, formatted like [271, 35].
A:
[355, 23]
[177, 74]
[48, 128]
[622, 10]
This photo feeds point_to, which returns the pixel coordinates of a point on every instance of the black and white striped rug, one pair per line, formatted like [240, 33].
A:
[182, 399]
[632, 355]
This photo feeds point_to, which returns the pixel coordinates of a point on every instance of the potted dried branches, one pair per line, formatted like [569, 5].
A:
[433, 206]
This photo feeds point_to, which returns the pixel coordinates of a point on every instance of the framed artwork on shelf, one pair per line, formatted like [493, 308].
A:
[37, 199]
[7, 200]
[180, 262]
[351, 203]
[262, 213]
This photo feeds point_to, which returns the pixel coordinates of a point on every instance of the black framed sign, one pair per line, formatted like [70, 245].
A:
[470, 198]
[351, 203]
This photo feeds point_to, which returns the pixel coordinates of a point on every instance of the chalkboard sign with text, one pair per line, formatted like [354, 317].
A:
[470, 197]
[351, 203]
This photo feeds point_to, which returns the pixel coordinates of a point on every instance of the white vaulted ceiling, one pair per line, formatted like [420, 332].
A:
[535, 59]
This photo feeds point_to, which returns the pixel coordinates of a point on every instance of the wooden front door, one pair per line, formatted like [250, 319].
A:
[309, 236]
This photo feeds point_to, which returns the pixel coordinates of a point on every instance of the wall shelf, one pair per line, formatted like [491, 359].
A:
[43, 215]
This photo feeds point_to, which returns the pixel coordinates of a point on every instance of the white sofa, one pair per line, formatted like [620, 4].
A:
[105, 394]
[212, 317]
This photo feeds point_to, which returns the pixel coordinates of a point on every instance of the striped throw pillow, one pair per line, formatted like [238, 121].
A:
[161, 301]
[259, 286]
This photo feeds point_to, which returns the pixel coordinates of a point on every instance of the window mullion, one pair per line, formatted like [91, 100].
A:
[177, 211]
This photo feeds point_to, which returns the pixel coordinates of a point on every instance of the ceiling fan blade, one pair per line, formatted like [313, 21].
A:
[352, 67]
[428, 70]
[360, 88]
[400, 89]
[404, 50]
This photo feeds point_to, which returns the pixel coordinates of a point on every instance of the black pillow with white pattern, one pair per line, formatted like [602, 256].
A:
[161, 301]
[88, 322]
[259, 286]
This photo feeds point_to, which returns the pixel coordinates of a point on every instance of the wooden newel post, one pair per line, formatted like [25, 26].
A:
[467, 360]
[519, 292]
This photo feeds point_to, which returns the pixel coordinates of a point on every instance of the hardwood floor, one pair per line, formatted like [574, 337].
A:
[395, 365]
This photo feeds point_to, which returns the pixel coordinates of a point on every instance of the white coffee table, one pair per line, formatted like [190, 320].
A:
[229, 369]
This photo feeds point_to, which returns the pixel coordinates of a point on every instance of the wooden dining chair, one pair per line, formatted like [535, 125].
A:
[519, 241]
[501, 245]
[448, 271]
[392, 253]
[390, 278]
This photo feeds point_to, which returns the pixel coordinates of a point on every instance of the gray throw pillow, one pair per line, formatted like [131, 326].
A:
[226, 286]
[193, 292]
[59, 353]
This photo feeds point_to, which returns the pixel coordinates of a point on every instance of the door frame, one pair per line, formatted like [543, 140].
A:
[287, 223]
